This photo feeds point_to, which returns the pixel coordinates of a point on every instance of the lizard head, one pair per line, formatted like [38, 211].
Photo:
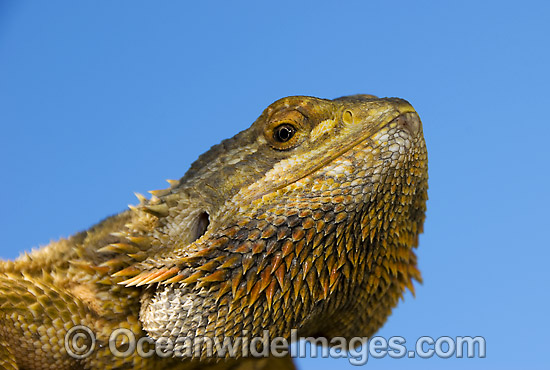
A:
[306, 220]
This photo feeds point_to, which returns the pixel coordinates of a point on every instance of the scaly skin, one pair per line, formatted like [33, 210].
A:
[307, 220]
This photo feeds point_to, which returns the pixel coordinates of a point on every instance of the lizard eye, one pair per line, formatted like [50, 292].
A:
[284, 132]
[286, 129]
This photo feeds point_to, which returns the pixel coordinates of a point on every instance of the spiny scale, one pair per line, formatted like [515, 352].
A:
[315, 232]
[302, 237]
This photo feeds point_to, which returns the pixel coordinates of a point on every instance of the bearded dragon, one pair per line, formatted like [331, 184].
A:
[307, 220]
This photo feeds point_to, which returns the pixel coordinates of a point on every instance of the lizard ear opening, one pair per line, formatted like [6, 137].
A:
[200, 226]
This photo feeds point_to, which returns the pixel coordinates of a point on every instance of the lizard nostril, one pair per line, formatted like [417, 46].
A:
[347, 117]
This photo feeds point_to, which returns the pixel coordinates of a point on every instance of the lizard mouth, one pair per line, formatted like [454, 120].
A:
[408, 121]
[405, 118]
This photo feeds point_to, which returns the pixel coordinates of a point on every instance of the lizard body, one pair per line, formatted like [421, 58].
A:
[307, 220]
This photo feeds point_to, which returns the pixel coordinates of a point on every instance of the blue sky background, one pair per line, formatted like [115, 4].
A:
[99, 99]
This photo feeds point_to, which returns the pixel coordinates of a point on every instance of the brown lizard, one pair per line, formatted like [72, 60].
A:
[307, 220]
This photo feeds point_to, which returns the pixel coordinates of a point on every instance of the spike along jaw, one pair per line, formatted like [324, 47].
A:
[313, 214]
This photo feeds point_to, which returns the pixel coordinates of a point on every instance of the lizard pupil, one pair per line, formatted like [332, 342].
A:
[284, 133]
